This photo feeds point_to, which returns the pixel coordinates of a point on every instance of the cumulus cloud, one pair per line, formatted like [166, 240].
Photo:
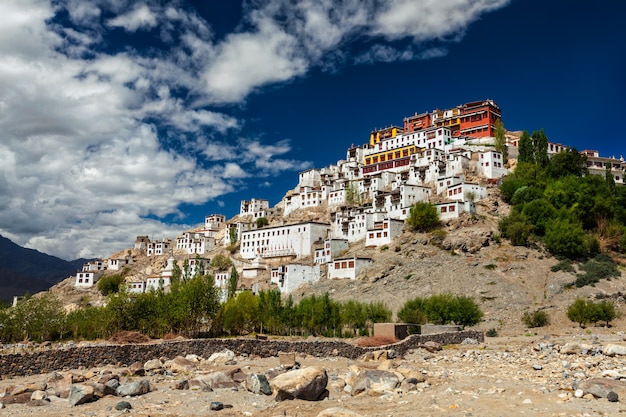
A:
[141, 17]
[101, 142]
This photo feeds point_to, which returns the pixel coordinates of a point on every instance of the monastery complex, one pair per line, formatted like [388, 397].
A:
[444, 157]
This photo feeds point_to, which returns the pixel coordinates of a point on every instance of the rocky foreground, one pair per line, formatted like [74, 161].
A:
[581, 375]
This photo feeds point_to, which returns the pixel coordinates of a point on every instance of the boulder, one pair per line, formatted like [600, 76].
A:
[576, 349]
[38, 395]
[613, 349]
[374, 381]
[136, 369]
[601, 387]
[123, 405]
[60, 385]
[80, 394]
[22, 398]
[180, 364]
[134, 388]
[305, 384]
[222, 357]
[32, 387]
[153, 364]
[219, 380]
[258, 384]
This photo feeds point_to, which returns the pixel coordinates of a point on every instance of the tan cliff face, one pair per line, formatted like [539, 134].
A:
[468, 258]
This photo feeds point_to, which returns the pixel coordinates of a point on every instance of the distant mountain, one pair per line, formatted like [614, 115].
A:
[25, 270]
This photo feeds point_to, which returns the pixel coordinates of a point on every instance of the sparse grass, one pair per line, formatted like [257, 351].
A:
[491, 332]
[491, 267]
[384, 248]
[408, 277]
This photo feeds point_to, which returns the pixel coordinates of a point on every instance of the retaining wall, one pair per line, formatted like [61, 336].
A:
[119, 355]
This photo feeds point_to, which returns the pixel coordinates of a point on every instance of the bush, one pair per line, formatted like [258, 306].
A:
[566, 238]
[261, 222]
[584, 311]
[491, 333]
[221, 262]
[516, 227]
[601, 267]
[423, 217]
[565, 266]
[538, 318]
[110, 284]
[413, 312]
[447, 308]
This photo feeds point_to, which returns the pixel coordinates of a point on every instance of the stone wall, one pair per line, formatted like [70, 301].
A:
[119, 355]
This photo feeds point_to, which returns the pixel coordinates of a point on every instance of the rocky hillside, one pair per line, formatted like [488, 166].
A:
[466, 257]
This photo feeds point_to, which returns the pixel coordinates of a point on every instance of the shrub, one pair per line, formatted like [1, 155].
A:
[423, 217]
[584, 311]
[110, 284]
[564, 265]
[261, 222]
[447, 308]
[601, 267]
[538, 318]
[539, 213]
[516, 227]
[491, 332]
[221, 262]
[566, 237]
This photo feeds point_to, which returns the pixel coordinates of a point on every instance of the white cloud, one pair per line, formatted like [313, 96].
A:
[141, 17]
[86, 164]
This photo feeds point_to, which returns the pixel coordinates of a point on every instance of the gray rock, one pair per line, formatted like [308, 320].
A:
[133, 389]
[258, 384]
[612, 396]
[216, 406]
[123, 405]
[600, 387]
[375, 381]
[537, 367]
[305, 384]
[219, 380]
[80, 394]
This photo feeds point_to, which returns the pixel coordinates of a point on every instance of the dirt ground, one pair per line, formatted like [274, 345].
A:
[504, 376]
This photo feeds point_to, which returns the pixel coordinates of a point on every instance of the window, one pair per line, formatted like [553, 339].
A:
[451, 209]
[444, 209]
[351, 264]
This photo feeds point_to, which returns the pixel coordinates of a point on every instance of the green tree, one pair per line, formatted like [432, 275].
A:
[261, 222]
[568, 162]
[540, 148]
[579, 312]
[271, 311]
[233, 282]
[39, 318]
[423, 217]
[525, 148]
[500, 140]
[413, 312]
[232, 234]
[353, 197]
[466, 312]
[609, 178]
[241, 313]
[605, 311]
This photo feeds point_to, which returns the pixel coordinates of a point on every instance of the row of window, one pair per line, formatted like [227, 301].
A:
[344, 264]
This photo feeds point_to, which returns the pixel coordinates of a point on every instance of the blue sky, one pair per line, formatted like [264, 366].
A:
[121, 118]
